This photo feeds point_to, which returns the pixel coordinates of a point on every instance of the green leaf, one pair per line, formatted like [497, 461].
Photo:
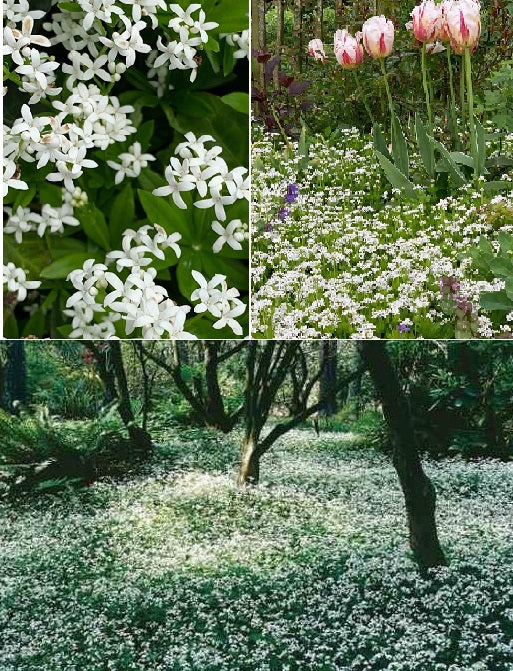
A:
[237, 274]
[396, 177]
[231, 16]
[425, 147]
[380, 143]
[93, 223]
[229, 60]
[496, 300]
[32, 255]
[35, 326]
[24, 198]
[462, 159]
[496, 186]
[171, 218]
[144, 134]
[186, 282]
[50, 194]
[499, 162]
[238, 101]
[481, 146]
[400, 147]
[122, 214]
[70, 6]
[455, 174]
[61, 268]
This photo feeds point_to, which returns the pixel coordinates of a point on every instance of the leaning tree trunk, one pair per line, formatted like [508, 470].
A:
[419, 493]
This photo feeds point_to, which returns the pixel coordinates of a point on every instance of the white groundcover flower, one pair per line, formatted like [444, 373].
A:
[100, 40]
[134, 297]
[16, 281]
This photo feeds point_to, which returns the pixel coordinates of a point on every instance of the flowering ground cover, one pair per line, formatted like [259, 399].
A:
[353, 258]
[178, 569]
[377, 177]
[126, 169]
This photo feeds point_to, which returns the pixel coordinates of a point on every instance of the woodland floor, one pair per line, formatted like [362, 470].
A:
[175, 569]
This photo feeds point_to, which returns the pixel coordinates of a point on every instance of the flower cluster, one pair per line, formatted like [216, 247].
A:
[205, 171]
[161, 570]
[80, 159]
[356, 260]
[102, 297]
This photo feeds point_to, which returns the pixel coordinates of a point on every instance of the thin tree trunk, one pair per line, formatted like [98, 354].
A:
[319, 33]
[339, 13]
[279, 38]
[249, 471]
[419, 493]
[298, 36]
[15, 382]
[328, 381]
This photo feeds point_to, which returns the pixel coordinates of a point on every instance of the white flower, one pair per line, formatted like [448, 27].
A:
[230, 235]
[71, 168]
[127, 43]
[11, 178]
[217, 201]
[29, 127]
[132, 162]
[15, 40]
[37, 69]
[98, 9]
[20, 222]
[229, 315]
[174, 188]
[16, 280]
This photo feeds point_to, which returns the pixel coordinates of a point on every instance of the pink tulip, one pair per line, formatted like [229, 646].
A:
[348, 50]
[462, 22]
[316, 49]
[427, 21]
[378, 36]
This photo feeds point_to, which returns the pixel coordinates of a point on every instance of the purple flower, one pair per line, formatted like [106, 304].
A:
[403, 328]
[268, 228]
[292, 193]
[284, 213]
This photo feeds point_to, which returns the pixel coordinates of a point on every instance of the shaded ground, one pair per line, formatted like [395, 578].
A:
[179, 570]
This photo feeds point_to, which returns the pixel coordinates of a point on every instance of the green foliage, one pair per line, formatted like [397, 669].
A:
[498, 98]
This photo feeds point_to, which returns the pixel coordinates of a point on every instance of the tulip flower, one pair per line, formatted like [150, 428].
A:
[462, 22]
[378, 40]
[378, 36]
[427, 21]
[348, 49]
[316, 49]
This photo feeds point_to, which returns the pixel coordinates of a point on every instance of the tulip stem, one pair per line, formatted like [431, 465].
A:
[363, 96]
[389, 95]
[426, 88]
[462, 91]
[453, 99]
[470, 95]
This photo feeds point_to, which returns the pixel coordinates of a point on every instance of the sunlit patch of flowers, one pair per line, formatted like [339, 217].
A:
[102, 141]
[178, 569]
[353, 258]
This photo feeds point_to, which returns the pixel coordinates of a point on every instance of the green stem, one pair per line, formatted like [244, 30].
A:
[426, 88]
[470, 95]
[453, 98]
[363, 96]
[462, 91]
[389, 95]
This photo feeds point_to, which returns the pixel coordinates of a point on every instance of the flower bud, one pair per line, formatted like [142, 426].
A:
[427, 21]
[462, 23]
[348, 50]
[378, 36]
[316, 49]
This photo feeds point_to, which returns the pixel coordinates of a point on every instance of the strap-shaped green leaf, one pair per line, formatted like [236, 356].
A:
[425, 147]
[380, 144]
[496, 300]
[481, 146]
[454, 172]
[400, 147]
[396, 177]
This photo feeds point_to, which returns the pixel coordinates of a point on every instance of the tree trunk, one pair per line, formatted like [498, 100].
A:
[249, 471]
[279, 38]
[15, 377]
[419, 493]
[339, 13]
[328, 381]
[298, 36]
[319, 33]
